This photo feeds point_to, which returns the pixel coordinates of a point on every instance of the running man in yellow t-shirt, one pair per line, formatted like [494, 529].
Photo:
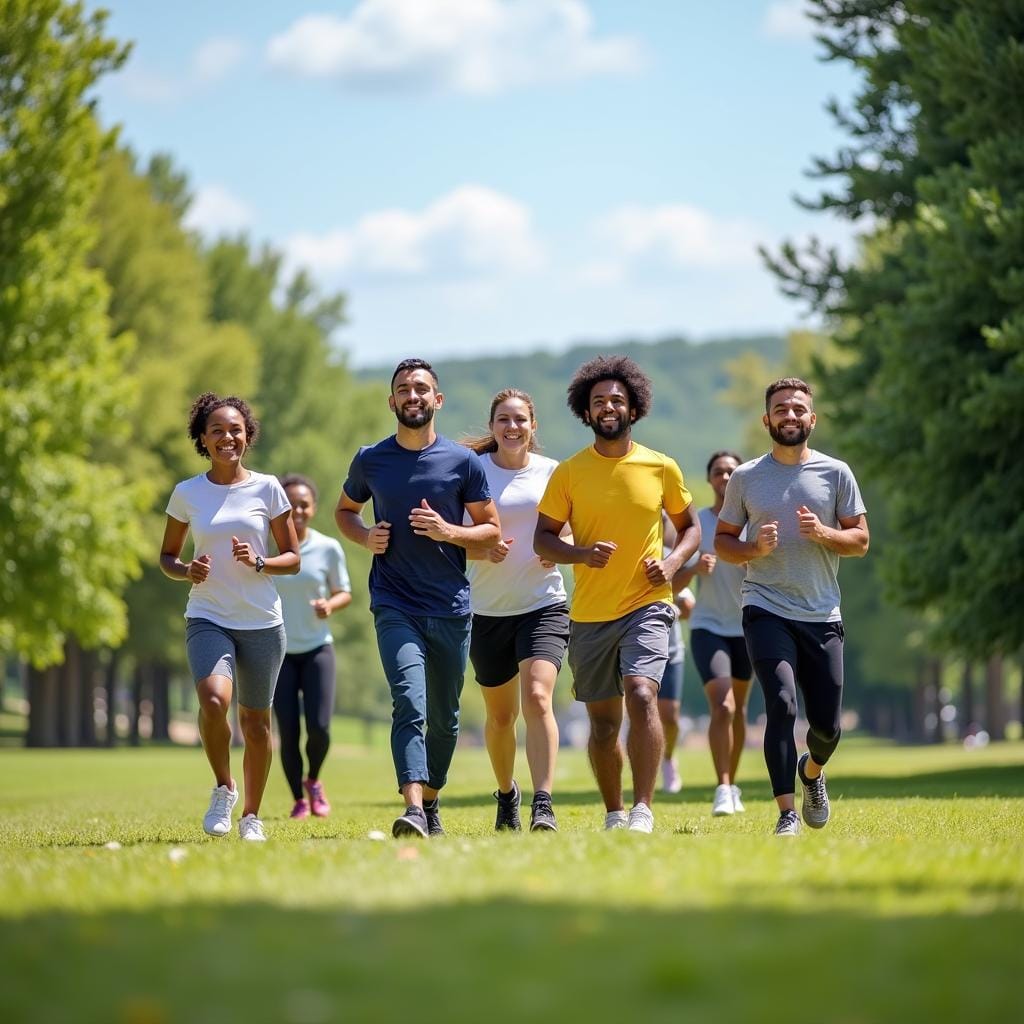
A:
[612, 495]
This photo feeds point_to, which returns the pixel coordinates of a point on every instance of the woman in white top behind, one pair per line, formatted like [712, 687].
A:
[520, 619]
[234, 630]
[305, 686]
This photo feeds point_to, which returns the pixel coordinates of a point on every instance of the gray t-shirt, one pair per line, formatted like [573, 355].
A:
[798, 579]
[718, 595]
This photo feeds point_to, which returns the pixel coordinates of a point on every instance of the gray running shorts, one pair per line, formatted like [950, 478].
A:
[601, 653]
[251, 658]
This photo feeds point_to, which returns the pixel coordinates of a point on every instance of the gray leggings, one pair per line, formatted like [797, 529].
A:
[251, 658]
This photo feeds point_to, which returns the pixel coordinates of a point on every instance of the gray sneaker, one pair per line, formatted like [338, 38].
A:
[815, 806]
[788, 824]
[432, 810]
[507, 818]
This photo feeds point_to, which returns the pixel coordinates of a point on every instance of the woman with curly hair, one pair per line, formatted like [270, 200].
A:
[234, 631]
[305, 687]
[520, 619]
[612, 494]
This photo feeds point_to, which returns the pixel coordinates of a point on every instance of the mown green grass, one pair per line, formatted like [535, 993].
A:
[909, 906]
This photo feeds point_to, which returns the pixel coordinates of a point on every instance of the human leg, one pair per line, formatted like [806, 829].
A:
[501, 705]
[605, 750]
[773, 652]
[286, 711]
[669, 699]
[646, 742]
[447, 653]
[537, 683]
[318, 686]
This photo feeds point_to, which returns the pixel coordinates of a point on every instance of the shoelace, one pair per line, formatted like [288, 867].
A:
[253, 825]
[220, 801]
[542, 805]
[816, 791]
[788, 818]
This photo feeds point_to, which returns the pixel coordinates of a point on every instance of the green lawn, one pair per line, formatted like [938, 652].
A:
[908, 907]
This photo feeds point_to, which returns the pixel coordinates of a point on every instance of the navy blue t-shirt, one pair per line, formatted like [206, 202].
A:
[416, 574]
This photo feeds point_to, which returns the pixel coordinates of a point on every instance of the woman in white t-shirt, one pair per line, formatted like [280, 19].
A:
[520, 619]
[305, 685]
[234, 630]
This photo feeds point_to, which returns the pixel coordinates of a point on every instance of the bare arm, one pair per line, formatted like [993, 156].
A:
[687, 534]
[171, 565]
[551, 547]
[348, 516]
[730, 548]
[326, 606]
[284, 564]
[850, 540]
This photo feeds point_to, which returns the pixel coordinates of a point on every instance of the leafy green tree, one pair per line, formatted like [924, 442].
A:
[69, 532]
[931, 316]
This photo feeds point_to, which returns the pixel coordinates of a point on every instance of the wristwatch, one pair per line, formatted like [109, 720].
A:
[260, 562]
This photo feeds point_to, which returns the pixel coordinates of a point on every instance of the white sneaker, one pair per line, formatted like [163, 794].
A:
[250, 828]
[737, 803]
[723, 801]
[614, 820]
[641, 818]
[671, 780]
[217, 820]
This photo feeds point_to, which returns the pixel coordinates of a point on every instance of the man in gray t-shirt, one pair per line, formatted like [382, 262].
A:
[802, 511]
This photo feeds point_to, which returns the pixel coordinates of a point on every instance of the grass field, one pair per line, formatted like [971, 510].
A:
[908, 907]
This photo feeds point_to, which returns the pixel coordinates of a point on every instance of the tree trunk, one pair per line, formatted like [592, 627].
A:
[920, 703]
[995, 703]
[110, 685]
[138, 685]
[968, 711]
[934, 713]
[42, 708]
[69, 710]
[87, 721]
[160, 677]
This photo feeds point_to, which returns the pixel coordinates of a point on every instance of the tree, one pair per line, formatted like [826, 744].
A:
[69, 535]
[931, 315]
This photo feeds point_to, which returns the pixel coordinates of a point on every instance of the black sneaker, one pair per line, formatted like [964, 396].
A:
[542, 817]
[815, 807]
[432, 809]
[411, 825]
[788, 824]
[507, 818]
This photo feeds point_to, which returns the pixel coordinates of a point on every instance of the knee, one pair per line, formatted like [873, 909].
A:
[214, 705]
[255, 726]
[502, 720]
[782, 704]
[641, 697]
[723, 708]
[537, 704]
[604, 731]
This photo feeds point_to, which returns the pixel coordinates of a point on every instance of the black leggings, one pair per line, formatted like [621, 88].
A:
[312, 675]
[786, 655]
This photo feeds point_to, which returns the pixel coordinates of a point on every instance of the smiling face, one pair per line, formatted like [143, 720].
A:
[224, 438]
[513, 426]
[609, 414]
[303, 506]
[414, 398]
[718, 475]
[790, 417]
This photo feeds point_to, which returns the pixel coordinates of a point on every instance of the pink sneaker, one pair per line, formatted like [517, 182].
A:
[300, 810]
[317, 798]
[671, 780]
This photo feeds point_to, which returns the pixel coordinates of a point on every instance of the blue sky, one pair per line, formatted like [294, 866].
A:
[495, 176]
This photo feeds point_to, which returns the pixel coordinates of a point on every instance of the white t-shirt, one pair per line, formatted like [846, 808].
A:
[520, 583]
[234, 595]
[323, 573]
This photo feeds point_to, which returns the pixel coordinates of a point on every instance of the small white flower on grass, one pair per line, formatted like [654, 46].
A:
[176, 854]
[376, 835]
[112, 845]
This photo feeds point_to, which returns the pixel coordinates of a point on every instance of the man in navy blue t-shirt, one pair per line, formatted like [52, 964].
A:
[421, 484]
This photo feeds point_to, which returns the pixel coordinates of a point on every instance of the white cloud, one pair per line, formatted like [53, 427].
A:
[478, 47]
[787, 19]
[655, 240]
[472, 232]
[213, 60]
[216, 211]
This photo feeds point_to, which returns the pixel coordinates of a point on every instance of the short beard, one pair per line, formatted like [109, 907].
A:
[413, 420]
[789, 440]
[616, 434]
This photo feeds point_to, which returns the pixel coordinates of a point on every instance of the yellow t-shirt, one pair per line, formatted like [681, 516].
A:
[618, 500]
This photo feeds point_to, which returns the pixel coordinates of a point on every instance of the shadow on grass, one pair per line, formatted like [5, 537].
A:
[506, 961]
